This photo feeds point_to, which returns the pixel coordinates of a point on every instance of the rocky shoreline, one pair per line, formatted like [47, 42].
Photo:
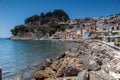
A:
[91, 60]
[20, 38]
[29, 38]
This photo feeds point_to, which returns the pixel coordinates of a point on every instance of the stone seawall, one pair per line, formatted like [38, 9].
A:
[98, 60]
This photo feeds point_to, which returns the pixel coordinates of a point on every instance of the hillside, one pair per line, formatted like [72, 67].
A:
[41, 26]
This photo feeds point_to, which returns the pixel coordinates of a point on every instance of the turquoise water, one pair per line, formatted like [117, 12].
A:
[19, 59]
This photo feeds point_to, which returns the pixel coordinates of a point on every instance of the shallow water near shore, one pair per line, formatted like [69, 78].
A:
[20, 59]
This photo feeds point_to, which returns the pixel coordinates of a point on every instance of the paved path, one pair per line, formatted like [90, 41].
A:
[111, 44]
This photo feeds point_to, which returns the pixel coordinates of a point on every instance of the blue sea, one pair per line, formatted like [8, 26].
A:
[19, 59]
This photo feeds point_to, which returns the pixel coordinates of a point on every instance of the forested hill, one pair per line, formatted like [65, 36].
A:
[43, 25]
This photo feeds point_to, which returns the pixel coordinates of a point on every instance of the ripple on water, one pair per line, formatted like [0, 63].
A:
[19, 59]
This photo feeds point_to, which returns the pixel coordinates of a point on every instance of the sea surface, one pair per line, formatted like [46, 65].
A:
[20, 59]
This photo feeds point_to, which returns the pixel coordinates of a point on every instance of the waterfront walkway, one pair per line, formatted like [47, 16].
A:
[111, 44]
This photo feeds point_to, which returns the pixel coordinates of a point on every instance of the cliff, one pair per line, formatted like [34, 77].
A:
[40, 26]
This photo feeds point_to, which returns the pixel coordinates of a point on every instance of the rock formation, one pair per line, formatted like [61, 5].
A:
[99, 61]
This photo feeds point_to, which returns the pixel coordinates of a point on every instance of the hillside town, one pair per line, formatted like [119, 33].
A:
[94, 59]
[103, 28]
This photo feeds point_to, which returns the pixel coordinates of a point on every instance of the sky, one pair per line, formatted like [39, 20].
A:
[14, 12]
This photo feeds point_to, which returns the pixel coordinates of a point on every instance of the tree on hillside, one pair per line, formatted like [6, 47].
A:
[44, 23]
[60, 15]
[19, 30]
[87, 19]
[48, 14]
[42, 18]
[32, 19]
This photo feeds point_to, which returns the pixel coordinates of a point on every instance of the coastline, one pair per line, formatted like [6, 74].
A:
[98, 60]
[30, 38]
[21, 38]
[39, 50]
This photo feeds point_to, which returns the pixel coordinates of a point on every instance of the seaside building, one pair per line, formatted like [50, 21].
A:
[109, 27]
[71, 22]
[102, 27]
[57, 35]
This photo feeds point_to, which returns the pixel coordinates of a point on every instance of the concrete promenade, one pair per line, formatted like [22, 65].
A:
[111, 44]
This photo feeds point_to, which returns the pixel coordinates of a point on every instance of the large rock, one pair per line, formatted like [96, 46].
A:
[114, 69]
[99, 75]
[54, 65]
[43, 74]
[39, 75]
[101, 62]
[46, 63]
[71, 54]
[69, 67]
[60, 71]
[83, 75]
[73, 50]
[62, 55]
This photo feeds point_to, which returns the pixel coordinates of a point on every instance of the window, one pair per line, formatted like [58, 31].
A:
[112, 28]
[117, 28]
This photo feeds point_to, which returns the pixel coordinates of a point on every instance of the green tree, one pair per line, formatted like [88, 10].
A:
[32, 19]
[42, 18]
[18, 30]
[87, 18]
[43, 23]
[48, 14]
[60, 15]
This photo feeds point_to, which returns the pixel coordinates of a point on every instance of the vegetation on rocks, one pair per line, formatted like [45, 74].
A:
[38, 26]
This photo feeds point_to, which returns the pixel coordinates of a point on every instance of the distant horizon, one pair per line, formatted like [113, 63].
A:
[15, 12]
